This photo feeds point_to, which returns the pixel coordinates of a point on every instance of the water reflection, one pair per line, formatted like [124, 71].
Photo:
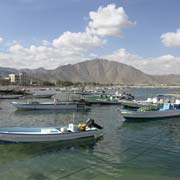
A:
[16, 151]
[46, 112]
[43, 118]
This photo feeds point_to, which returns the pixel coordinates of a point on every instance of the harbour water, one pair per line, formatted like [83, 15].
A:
[138, 151]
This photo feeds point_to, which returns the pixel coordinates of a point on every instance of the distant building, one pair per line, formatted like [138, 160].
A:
[23, 79]
[20, 79]
[13, 78]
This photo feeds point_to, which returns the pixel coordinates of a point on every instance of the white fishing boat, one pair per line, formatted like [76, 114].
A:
[51, 134]
[43, 95]
[11, 96]
[167, 111]
[134, 104]
[35, 105]
[107, 102]
[150, 102]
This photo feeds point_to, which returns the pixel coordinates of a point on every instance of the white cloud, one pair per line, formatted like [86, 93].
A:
[171, 39]
[166, 64]
[108, 21]
[51, 57]
[77, 41]
[16, 48]
[69, 47]
[1, 40]
[123, 56]
[45, 43]
[40, 56]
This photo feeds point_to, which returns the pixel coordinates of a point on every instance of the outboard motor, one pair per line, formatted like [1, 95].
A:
[90, 123]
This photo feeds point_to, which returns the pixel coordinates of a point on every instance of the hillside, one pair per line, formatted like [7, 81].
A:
[99, 71]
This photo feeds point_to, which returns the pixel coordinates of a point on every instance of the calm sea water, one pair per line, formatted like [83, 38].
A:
[127, 151]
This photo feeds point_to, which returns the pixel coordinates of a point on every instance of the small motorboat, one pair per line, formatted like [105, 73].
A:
[41, 95]
[51, 134]
[109, 99]
[167, 111]
[134, 104]
[11, 96]
[56, 105]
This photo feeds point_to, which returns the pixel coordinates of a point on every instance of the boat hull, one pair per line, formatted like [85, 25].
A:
[136, 104]
[150, 115]
[43, 95]
[103, 102]
[13, 96]
[48, 106]
[24, 138]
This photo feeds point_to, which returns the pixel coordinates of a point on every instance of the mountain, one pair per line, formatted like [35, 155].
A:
[171, 79]
[5, 71]
[99, 71]
[37, 74]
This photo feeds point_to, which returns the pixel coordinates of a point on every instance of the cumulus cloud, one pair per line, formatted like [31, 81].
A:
[166, 64]
[16, 48]
[19, 56]
[1, 40]
[123, 56]
[77, 41]
[171, 39]
[108, 21]
[69, 47]
[45, 43]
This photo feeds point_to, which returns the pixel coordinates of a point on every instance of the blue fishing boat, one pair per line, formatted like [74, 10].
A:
[167, 111]
[51, 134]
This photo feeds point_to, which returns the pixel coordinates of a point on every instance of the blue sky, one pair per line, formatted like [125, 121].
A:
[141, 33]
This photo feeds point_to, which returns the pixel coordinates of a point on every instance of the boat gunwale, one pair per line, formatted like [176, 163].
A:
[43, 134]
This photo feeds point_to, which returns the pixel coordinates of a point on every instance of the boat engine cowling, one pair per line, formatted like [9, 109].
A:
[90, 123]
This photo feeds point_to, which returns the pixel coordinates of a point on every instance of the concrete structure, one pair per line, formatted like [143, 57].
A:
[20, 79]
[23, 79]
[13, 78]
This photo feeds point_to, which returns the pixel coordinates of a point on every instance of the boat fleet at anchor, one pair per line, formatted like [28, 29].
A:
[81, 103]
[133, 110]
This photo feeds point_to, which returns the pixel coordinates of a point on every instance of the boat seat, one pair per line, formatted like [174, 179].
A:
[63, 129]
[49, 131]
[176, 106]
[166, 106]
[72, 128]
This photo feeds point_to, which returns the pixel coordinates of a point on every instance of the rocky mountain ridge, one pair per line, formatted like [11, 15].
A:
[99, 71]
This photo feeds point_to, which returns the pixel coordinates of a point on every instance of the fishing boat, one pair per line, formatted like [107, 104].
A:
[11, 96]
[167, 111]
[107, 102]
[51, 134]
[156, 101]
[134, 104]
[43, 95]
[35, 105]
[109, 99]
